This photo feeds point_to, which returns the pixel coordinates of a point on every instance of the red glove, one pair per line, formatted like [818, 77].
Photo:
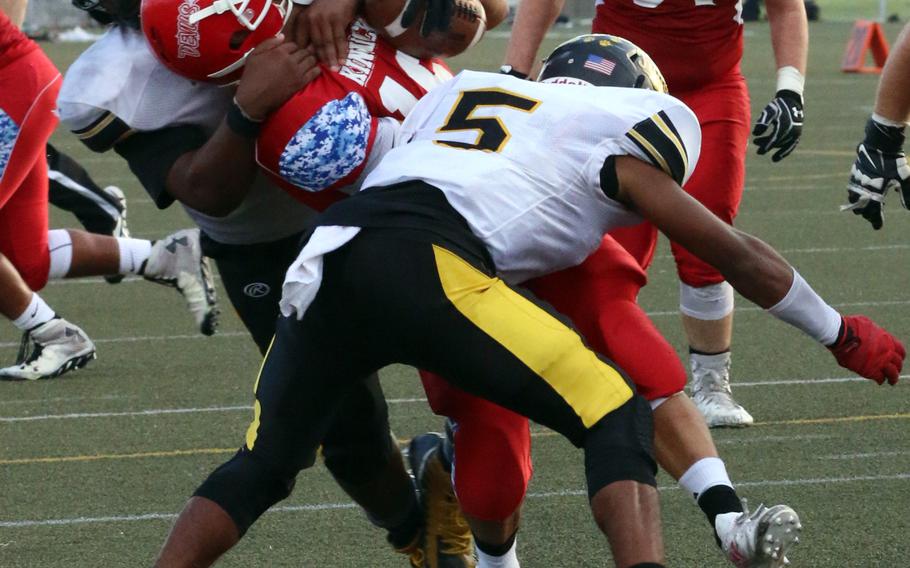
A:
[868, 350]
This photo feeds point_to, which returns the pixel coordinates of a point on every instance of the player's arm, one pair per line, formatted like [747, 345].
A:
[532, 20]
[779, 127]
[14, 10]
[880, 162]
[754, 269]
[213, 176]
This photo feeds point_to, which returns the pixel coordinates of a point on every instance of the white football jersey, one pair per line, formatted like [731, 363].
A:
[521, 161]
[118, 77]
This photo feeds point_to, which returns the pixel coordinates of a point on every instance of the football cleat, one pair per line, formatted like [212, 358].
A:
[120, 228]
[177, 261]
[49, 350]
[446, 541]
[712, 396]
[761, 539]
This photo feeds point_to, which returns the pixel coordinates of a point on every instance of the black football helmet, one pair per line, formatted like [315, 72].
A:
[604, 61]
[123, 12]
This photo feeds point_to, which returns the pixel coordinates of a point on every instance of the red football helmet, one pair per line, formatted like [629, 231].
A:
[208, 40]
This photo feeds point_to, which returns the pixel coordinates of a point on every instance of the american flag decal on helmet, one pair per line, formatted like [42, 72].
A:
[599, 64]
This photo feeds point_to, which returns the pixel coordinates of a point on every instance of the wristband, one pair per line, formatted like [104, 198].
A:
[509, 70]
[805, 310]
[790, 79]
[240, 123]
[884, 137]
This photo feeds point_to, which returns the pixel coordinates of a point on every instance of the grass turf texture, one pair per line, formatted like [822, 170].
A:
[111, 452]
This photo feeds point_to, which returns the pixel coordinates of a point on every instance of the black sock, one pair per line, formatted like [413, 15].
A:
[495, 549]
[693, 351]
[718, 500]
[648, 565]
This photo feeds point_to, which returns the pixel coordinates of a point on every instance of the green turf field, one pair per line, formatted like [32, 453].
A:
[93, 466]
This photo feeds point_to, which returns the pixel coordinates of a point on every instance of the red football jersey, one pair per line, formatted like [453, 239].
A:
[321, 138]
[692, 41]
[13, 43]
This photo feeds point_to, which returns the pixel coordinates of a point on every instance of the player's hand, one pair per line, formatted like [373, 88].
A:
[780, 125]
[880, 165]
[273, 72]
[324, 25]
[868, 350]
[436, 17]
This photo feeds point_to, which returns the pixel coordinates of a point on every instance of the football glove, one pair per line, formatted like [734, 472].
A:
[879, 166]
[436, 17]
[780, 125]
[868, 350]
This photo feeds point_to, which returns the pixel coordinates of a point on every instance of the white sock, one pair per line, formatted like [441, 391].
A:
[35, 314]
[703, 475]
[133, 254]
[60, 246]
[507, 560]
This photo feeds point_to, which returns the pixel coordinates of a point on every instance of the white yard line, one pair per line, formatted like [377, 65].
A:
[393, 401]
[864, 455]
[337, 506]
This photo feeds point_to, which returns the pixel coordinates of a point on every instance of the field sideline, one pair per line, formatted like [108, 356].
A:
[94, 466]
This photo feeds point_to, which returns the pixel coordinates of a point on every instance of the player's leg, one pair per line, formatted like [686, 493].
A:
[500, 335]
[706, 300]
[359, 454]
[609, 282]
[491, 467]
[293, 410]
[71, 188]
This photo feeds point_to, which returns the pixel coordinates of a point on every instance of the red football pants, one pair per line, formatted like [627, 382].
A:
[492, 444]
[722, 109]
[28, 97]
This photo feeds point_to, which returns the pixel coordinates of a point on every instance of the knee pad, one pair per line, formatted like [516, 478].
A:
[711, 302]
[245, 488]
[60, 248]
[620, 447]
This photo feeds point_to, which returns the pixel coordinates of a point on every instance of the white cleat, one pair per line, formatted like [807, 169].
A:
[177, 261]
[711, 392]
[761, 539]
[120, 229]
[57, 346]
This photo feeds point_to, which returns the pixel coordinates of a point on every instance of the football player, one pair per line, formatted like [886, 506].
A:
[321, 142]
[30, 254]
[489, 438]
[881, 163]
[502, 180]
[194, 143]
[698, 46]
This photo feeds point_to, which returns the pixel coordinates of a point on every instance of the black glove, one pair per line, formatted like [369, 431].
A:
[436, 17]
[780, 125]
[880, 165]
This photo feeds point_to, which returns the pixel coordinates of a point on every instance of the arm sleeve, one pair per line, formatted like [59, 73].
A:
[151, 155]
[103, 132]
[669, 139]
[666, 135]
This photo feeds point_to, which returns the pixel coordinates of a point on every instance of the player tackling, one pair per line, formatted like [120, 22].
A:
[503, 180]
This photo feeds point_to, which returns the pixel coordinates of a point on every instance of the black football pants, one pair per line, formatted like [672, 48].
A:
[393, 296]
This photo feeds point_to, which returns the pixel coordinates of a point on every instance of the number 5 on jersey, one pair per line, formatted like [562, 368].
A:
[492, 134]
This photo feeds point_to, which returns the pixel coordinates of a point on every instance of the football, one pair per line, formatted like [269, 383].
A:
[466, 27]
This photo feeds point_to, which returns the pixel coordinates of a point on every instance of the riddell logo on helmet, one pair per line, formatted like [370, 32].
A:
[187, 33]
